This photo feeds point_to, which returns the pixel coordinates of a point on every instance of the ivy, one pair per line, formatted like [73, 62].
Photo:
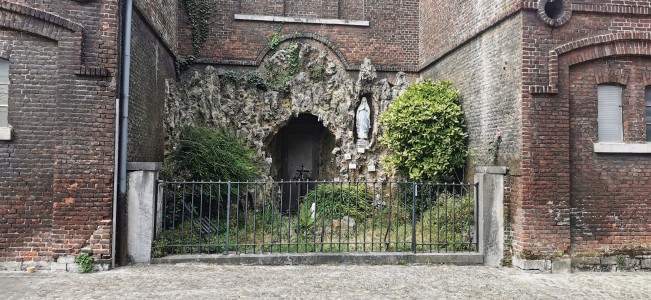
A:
[199, 12]
[424, 132]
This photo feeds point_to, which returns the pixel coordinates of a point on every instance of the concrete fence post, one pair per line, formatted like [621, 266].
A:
[490, 182]
[141, 198]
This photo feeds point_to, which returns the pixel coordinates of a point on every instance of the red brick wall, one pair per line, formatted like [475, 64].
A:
[391, 40]
[152, 63]
[610, 193]
[56, 173]
[563, 208]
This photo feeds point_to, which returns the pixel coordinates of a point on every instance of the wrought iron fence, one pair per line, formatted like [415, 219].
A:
[310, 216]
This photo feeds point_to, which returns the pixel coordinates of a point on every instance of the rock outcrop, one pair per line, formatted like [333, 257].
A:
[301, 77]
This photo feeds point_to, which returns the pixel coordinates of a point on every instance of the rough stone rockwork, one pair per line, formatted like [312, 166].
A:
[211, 98]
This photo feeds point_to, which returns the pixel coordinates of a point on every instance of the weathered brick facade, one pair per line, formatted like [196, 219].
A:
[390, 41]
[565, 199]
[56, 172]
[152, 63]
[526, 69]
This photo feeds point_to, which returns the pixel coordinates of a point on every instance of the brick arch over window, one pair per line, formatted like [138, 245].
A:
[263, 53]
[5, 50]
[591, 48]
[68, 34]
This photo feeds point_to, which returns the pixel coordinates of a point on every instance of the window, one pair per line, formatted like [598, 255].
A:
[609, 116]
[648, 114]
[5, 129]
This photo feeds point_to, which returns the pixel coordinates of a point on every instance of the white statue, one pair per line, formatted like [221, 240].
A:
[363, 120]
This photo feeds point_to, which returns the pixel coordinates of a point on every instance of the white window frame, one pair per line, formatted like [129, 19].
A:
[617, 145]
[5, 127]
[647, 112]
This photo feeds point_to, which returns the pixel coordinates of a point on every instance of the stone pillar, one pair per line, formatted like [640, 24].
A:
[489, 184]
[141, 199]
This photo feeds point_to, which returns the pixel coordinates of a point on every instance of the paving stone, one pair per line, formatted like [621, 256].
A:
[205, 281]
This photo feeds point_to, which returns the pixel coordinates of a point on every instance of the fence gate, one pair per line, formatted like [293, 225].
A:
[250, 217]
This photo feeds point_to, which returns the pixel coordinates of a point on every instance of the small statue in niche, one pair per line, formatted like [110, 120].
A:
[363, 123]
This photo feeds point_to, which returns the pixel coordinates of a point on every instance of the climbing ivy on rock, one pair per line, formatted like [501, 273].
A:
[424, 132]
[199, 12]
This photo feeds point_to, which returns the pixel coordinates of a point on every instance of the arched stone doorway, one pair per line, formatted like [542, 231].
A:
[301, 151]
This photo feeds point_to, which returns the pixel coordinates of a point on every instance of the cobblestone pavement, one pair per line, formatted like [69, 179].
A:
[322, 282]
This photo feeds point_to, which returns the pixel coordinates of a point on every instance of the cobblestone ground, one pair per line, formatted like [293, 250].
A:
[322, 282]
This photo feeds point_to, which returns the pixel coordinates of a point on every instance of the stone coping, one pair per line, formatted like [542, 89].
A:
[464, 258]
[622, 148]
[491, 170]
[144, 166]
[267, 18]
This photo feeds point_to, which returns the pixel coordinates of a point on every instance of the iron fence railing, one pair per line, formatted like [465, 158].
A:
[310, 216]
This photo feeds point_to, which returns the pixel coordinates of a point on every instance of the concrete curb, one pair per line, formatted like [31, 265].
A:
[326, 258]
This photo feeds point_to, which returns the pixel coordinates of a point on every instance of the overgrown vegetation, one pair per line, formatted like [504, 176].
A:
[330, 218]
[211, 154]
[199, 12]
[85, 262]
[424, 133]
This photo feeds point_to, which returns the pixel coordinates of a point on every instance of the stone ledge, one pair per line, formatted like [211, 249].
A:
[5, 133]
[556, 266]
[144, 166]
[639, 148]
[491, 170]
[326, 258]
[265, 18]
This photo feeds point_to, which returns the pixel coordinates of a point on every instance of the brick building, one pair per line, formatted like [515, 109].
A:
[60, 65]
[566, 84]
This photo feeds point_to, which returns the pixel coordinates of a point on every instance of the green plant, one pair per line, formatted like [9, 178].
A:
[336, 201]
[183, 61]
[229, 75]
[199, 12]
[424, 132]
[294, 51]
[159, 248]
[85, 262]
[451, 220]
[621, 261]
[211, 154]
[253, 79]
[317, 72]
[274, 40]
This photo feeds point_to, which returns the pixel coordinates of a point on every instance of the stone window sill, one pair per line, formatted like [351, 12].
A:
[622, 148]
[264, 18]
[5, 133]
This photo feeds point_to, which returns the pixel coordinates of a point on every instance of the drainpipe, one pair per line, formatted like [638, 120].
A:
[124, 125]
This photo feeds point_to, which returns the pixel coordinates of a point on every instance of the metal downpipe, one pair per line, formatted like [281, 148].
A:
[120, 217]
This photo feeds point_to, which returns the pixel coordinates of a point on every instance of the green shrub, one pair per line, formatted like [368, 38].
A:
[451, 221]
[424, 132]
[211, 154]
[336, 201]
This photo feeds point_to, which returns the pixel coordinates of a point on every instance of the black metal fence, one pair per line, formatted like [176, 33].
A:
[302, 216]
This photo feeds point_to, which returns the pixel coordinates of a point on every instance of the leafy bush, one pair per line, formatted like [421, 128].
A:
[424, 132]
[211, 154]
[337, 201]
